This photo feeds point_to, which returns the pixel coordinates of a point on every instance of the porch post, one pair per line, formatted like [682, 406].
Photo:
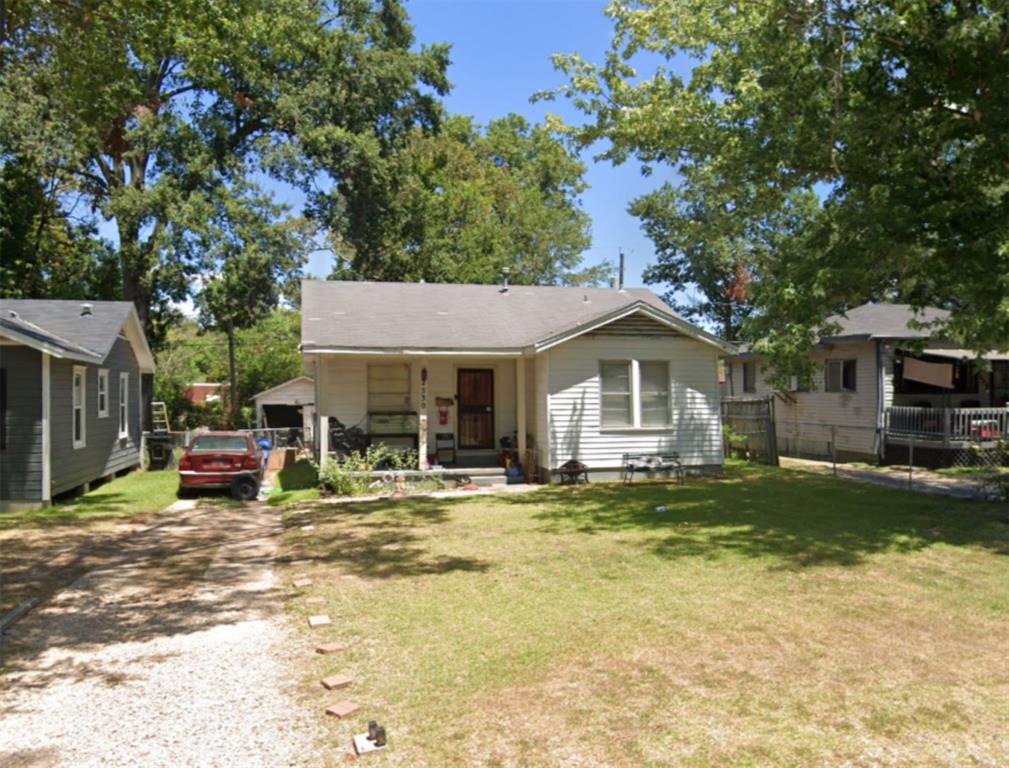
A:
[422, 419]
[520, 406]
[321, 413]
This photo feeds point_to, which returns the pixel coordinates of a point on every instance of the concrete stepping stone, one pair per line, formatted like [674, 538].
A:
[302, 583]
[363, 745]
[336, 681]
[320, 620]
[329, 648]
[343, 709]
[308, 528]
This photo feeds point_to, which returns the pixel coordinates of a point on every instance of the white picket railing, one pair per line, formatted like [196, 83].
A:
[948, 424]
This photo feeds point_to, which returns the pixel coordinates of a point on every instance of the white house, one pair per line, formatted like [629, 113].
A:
[563, 373]
[882, 380]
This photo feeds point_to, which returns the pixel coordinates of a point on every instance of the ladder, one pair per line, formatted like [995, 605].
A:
[159, 416]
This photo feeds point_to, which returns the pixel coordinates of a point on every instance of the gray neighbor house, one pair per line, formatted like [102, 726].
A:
[71, 393]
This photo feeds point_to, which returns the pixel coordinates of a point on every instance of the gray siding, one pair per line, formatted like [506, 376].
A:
[21, 461]
[104, 452]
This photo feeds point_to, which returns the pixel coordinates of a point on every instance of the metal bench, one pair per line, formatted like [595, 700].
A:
[651, 463]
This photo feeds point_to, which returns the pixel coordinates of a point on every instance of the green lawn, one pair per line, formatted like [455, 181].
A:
[297, 483]
[765, 618]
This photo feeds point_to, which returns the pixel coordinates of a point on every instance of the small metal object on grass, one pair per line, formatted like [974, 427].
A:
[363, 745]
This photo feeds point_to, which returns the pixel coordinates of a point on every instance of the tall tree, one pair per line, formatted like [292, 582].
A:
[461, 204]
[894, 112]
[254, 262]
[150, 111]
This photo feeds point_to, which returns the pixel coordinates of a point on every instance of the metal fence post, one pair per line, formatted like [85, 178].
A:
[833, 447]
[910, 463]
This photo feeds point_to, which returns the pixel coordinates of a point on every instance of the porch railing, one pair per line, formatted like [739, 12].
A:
[947, 424]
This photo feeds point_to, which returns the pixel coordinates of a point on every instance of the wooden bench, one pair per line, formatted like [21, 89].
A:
[652, 462]
[572, 472]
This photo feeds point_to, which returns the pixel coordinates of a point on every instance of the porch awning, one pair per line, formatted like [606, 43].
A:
[966, 354]
[936, 374]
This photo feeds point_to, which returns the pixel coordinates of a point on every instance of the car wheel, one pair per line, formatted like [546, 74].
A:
[244, 488]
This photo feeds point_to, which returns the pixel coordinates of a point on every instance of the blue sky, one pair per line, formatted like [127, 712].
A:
[500, 57]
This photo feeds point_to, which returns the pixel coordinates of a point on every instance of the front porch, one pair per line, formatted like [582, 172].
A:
[457, 412]
[945, 427]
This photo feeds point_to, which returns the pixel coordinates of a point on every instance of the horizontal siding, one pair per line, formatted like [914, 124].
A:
[21, 461]
[574, 402]
[104, 453]
[803, 420]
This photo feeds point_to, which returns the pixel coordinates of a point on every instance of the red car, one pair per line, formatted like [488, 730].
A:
[222, 460]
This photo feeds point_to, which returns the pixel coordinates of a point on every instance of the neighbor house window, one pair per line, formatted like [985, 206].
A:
[750, 377]
[840, 376]
[79, 397]
[616, 394]
[124, 420]
[102, 393]
[654, 394]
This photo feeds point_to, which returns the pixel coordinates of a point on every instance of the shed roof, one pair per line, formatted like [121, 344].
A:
[62, 327]
[358, 316]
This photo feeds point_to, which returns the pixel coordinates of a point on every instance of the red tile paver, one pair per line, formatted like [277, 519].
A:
[329, 648]
[336, 681]
[343, 709]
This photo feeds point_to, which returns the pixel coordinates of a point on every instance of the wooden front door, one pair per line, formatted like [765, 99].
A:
[476, 408]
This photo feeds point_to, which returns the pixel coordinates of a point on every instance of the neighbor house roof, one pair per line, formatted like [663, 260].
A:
[884, 321]
[431, 317]
[873, 321]
[78, 330]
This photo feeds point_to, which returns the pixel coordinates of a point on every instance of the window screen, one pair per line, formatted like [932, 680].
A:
[654, 394]
[388, 388]
[616, 394]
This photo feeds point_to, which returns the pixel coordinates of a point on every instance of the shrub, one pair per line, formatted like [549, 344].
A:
[344, 475]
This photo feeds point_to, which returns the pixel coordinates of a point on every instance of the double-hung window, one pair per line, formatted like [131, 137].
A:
[79, 397]
[124, 420]
[634, 394]
[102, 393]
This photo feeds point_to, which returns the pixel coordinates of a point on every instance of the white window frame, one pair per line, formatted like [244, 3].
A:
[630, 383]
[79, 403]
[668, 391]
[102, 393]
[635, 385]
[124, 405]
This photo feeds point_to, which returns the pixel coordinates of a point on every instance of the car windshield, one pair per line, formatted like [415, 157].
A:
[211, 443]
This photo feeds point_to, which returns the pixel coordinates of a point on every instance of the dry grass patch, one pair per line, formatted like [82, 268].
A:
[767, 618]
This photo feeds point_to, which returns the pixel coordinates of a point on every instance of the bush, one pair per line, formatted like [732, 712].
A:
[344, 475]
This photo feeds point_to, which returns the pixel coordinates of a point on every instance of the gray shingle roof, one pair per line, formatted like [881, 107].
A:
[365, 315]
[62, 324]
[886, 321]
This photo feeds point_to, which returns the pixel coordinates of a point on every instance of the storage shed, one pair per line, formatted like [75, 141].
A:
[287, 405]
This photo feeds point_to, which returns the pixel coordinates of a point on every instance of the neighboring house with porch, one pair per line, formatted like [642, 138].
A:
[559, 373]
[880, 383]
[71, 395]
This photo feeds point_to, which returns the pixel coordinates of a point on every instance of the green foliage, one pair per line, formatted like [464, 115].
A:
[461, 204]
[266, 355]
[893, 115]
[342, 475]
[161, 117]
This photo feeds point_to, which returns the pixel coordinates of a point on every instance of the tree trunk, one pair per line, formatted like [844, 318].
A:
[232, 377]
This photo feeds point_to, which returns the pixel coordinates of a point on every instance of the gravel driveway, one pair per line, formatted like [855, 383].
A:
[174, 655]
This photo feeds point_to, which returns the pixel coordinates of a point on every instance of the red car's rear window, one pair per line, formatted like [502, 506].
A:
[212, 443]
